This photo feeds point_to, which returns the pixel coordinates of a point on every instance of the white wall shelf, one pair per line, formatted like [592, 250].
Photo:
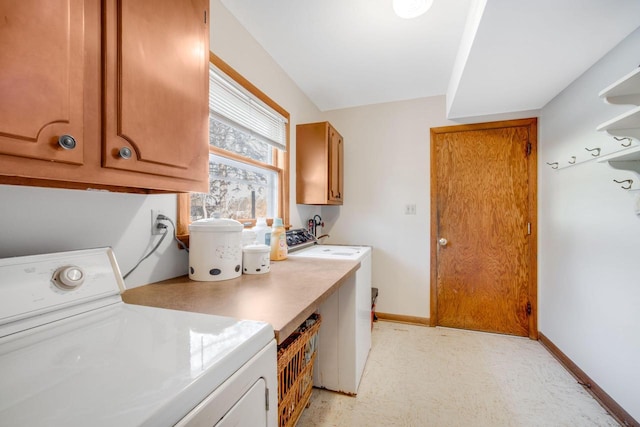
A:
[625, 125]
[603, 156]
[626, 154]
[625, 128]
[628, 159]
[625, 91]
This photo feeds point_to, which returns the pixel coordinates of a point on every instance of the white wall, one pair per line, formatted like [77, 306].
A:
[589, 235]
[387, 167]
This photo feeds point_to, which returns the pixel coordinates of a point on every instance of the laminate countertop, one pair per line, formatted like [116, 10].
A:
[285, 297]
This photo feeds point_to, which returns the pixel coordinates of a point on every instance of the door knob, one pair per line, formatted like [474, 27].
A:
[442, 241]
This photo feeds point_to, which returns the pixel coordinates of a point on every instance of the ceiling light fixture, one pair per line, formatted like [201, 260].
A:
[408, 9]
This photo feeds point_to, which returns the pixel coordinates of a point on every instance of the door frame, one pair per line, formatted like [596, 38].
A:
[532, 124]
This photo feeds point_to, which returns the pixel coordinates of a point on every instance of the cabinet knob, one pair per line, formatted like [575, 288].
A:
[67, 142]
[125, 153]
[442, 241]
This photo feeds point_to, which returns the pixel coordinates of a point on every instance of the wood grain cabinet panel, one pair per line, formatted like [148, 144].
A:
[319, 164]
[127, 79]
[155, 94]
[41, 79]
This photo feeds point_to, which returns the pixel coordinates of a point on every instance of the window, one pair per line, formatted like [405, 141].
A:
[248, 158]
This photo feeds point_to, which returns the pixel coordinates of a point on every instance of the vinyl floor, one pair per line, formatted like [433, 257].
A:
[422, 377]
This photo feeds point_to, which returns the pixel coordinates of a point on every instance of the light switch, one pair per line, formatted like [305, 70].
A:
[410, 209]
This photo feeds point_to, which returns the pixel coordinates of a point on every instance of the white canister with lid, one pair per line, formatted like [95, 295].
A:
[255, 259]
[215, 249]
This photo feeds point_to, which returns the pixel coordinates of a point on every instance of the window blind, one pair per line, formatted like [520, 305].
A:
[229, 103]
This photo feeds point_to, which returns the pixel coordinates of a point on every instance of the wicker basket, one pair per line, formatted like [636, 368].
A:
[295, 371]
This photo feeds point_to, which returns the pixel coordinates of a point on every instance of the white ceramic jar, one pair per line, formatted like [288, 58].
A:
[215, 249]
[255, 259]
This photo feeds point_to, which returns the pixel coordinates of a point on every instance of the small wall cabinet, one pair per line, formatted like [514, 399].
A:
[319, 164]
[109, 94]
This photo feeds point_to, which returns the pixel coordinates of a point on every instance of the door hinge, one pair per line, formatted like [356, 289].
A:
[205, 16]
[528, 309]
[528, 228]
[528, 148]
[266, 398]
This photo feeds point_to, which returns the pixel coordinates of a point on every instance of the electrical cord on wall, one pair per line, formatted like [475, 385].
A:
[164, 234]
[175, 237]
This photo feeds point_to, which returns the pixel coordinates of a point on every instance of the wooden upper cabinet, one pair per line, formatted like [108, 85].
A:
[128, 80]
[41, 79]
[155, 94]
[319, 164]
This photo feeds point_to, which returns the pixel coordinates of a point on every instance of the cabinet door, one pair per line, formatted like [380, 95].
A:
[41, 79]
[157, 87]
[336, 165]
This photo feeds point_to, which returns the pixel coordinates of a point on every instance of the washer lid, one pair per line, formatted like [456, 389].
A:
[333, 252]
[122, 365]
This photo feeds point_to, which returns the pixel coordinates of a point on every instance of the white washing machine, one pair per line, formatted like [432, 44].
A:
[344, 339]
[73, 354]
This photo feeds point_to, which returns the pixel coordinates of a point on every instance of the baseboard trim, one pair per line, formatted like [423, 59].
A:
[400, 318]
[594, 389]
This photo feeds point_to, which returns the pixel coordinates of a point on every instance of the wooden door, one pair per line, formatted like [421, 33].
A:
[483, 271]
[157, 87]
[42, 80]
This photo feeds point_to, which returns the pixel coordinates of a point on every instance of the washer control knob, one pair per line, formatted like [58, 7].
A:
[68, 277]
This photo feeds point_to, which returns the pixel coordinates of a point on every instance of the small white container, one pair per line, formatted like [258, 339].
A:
[255, 259]
[215, 249]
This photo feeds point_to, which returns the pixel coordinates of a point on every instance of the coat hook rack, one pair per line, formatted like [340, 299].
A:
[597, 151]
[553, 165]
[628, 181]
[573, 160]
[624, 139]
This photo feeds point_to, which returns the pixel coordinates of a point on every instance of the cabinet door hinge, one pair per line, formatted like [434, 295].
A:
[205, 16]
[528, 309]
[266, 398]
[528, 148]
[528, 228]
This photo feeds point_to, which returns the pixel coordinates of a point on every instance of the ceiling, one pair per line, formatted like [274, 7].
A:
[488, 56]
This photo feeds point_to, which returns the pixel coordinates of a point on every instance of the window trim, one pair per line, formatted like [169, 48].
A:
[281, 158]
